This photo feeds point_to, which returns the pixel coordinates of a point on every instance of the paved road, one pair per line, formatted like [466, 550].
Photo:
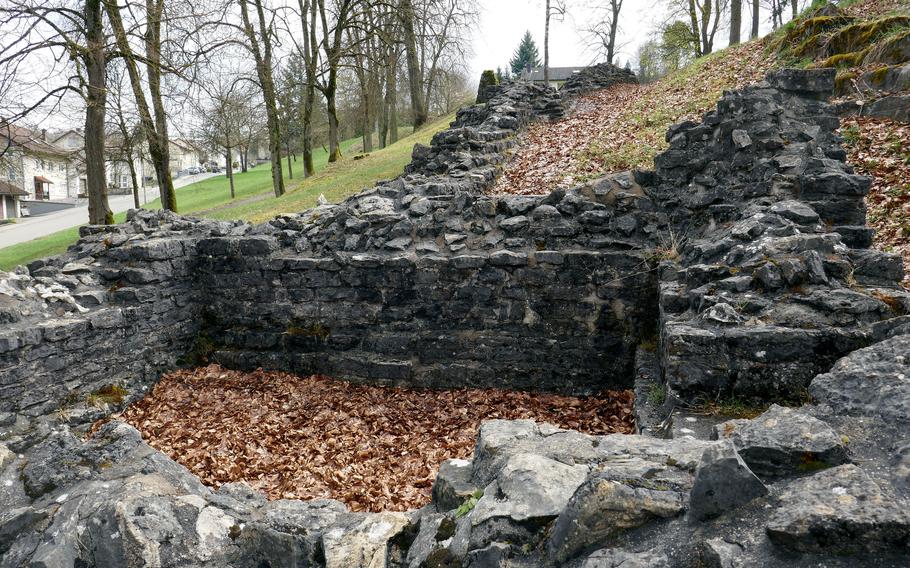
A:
[29, 228]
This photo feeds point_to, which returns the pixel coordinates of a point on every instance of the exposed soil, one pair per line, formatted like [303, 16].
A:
[374, 448]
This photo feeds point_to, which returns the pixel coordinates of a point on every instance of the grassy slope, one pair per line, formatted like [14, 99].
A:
[337, 181]
[211, 197]
[638, 133]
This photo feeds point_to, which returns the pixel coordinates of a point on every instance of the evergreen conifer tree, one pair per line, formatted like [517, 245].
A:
[526, 56]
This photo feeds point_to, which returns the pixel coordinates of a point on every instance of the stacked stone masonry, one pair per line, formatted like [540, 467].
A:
[739, 267]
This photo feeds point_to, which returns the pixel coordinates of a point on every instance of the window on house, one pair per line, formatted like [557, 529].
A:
[11, 173]
[124, 181]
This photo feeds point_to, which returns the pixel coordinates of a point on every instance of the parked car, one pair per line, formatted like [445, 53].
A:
[193, 170]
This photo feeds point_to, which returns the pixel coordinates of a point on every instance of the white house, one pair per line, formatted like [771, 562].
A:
[38, 167]
[9, 200]
[556, 75]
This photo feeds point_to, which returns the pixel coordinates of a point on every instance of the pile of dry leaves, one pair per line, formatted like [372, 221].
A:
[374, 448]
[881, 148]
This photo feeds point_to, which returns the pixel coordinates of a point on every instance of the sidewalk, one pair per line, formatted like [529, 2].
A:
[28, 228]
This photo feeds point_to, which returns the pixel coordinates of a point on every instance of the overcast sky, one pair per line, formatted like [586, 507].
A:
[503, 22]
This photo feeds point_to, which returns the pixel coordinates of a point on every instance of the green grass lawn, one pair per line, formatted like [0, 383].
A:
[337, 181]
[211, 197]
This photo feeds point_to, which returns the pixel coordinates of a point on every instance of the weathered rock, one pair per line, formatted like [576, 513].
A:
[722, 483]
[784, 441]
[603, 507]
[529, 491]
[718, 553]
[363, 544]
[874, 381]
[453, 486]
[839, 511]
[613, 558]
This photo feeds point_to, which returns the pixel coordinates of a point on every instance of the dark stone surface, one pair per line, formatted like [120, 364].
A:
[723, 482]
[784, 441]
[840, 511]
[875, 380]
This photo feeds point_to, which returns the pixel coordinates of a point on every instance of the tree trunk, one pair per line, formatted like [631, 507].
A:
[794, 8]
[693, 21]
[263, 57]
[754, 33]
[230, 170]
[383, 130]
[334, 143]
[161, 158]
[615, 6]
[414, 79]
[135, 180]
[546, 46]
[391, 96]
[367, 125]
[706, 47]
[290, 167]
[99, 213]
[308, 168]
[736, 20]
[308, 11]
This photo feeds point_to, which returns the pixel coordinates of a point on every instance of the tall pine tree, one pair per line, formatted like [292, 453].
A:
[526, 56]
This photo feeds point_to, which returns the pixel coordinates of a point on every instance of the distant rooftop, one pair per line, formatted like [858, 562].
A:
[556, 73]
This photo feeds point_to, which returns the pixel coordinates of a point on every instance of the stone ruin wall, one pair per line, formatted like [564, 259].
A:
[426, 280]
[423, 281]
[116, 313]
[740, 265]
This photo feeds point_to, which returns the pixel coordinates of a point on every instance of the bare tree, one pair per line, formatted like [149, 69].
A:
[601, 35]
[443, 38]
[309, 51]
[553, 8]
[72, 38]
[415, 77]
[754, 33]
[125, 145]
[704, 17]
[261, 38]
[155, 128]
[736, 20]
[334, 24]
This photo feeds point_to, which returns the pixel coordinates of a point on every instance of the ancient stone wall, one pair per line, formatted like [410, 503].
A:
[756, 222]
[773, 279]
[745, 248]
[561, 321]
[87, 323]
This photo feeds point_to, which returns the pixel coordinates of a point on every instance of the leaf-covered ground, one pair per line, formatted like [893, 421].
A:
[374, 448]
[623, 127]
[881, 148]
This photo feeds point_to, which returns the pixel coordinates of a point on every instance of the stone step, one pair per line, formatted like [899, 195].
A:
[687, 424]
